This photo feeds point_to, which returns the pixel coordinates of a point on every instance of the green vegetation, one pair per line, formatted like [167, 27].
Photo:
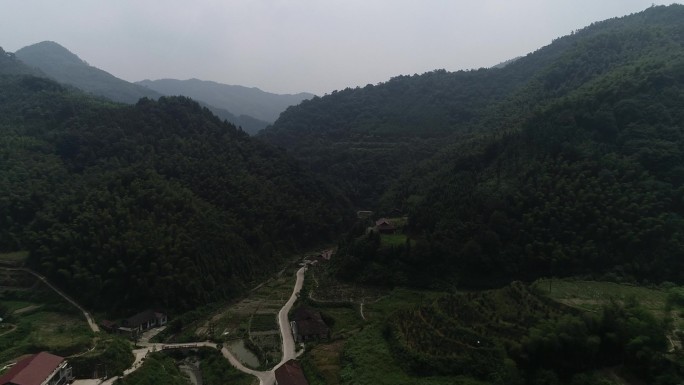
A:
[566, 162]
[157, 368]
[111, 356]
[393, 240]
[368, 359]
[14, 257]
[513, 336]
[593, 295]
[159, 203]
[264, 322]
[39, 320]
[216, 370]
[569, 166]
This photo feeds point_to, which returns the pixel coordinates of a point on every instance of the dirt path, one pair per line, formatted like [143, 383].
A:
[27, 309]
[88, 317]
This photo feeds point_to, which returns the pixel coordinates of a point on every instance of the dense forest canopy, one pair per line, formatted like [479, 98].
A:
[156, 203]
[565, 161]
[362, 139]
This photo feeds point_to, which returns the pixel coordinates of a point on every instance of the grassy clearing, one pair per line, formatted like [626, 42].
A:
[389, 240]
[38, 319]
[156, 369]
[323, 287]
[264, 322]
[367, 360]
[45, 329]
[14, 257]
[358, 353]
[342, 320]
[592, 295]
[13, 306]
[322, 363]
[398, 298]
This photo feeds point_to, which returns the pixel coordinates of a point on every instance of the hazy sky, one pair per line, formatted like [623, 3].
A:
[297, 45]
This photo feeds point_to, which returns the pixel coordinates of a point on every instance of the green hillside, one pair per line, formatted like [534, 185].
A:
[589, 183]
[364, 138]
[566, 161]
[63, 66]
[159, 203]
[10, 65]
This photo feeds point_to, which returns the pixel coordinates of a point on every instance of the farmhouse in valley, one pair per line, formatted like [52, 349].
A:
[39, 369]
[136, 324]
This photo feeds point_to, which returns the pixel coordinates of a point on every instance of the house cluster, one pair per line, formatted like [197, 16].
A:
[39, 369]
[290, 373]
[308, 325]
[137, 324]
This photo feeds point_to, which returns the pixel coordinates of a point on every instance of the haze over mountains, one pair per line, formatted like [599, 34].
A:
[249, 108]
[564, 163]
[241, 100]
[65, 67]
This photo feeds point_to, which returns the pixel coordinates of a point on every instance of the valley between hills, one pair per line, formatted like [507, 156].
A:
[521, 224]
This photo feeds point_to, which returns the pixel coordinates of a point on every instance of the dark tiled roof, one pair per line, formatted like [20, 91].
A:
[139, 319]
[290, 373]
[309, 322]
[32, 370]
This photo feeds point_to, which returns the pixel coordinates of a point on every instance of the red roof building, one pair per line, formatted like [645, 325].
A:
[41, 368]
[384, 226]
[290, 373]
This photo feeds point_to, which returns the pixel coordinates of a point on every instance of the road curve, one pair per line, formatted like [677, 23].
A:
[288, 346]
[265, 377]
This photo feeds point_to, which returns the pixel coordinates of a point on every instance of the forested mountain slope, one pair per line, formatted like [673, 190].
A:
[580, 174]
[366, 137]
[65, 67]
[159, 203]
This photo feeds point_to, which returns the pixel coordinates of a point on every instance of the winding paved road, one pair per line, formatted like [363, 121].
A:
[265, 377]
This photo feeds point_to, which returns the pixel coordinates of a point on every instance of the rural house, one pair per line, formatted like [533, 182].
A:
[39, 369]
[142, 321]
[308, 325]
[384, 226]
[290, 373]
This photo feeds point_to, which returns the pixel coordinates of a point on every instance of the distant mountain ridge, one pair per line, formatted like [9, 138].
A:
[52, 60]
[239, 100]
[63, 66]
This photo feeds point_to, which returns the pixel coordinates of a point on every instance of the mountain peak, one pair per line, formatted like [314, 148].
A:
[65, 67]
[52, 51]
